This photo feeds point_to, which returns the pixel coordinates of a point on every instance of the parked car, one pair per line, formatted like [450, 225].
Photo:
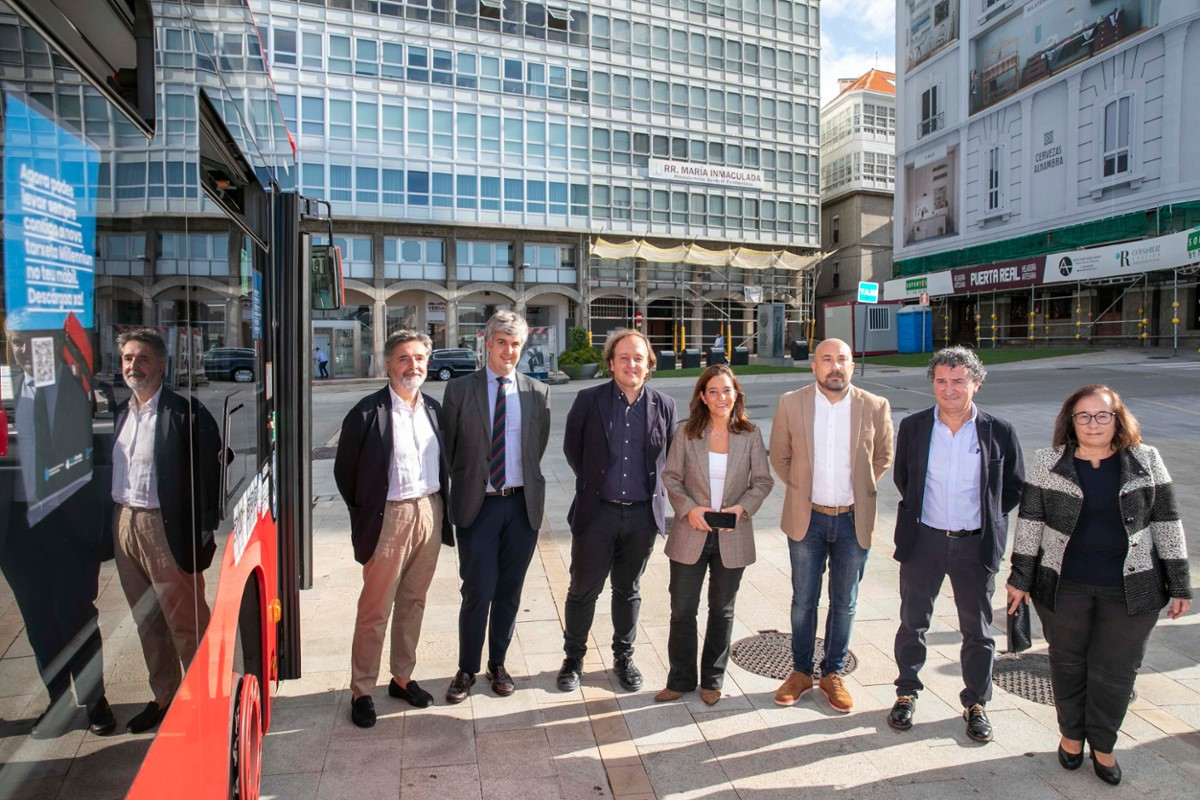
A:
[229, 363]
[450, 363]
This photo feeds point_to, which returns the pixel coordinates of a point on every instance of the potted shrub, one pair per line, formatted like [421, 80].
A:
[580, 359]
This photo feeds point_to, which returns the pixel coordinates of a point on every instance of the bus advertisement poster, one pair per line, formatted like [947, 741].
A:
[50, 181]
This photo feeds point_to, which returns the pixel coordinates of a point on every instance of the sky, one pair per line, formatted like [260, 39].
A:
[856, 35]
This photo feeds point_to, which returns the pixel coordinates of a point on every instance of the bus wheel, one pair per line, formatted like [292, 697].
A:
[246, 749]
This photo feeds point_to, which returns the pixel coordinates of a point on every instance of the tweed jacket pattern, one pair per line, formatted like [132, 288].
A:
[748, 482]
[1156, 565]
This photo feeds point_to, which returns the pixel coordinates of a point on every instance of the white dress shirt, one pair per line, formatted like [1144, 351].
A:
[952, 498]
[413, 472]
[135, 480]
[831, 452]
[514, 474]
[718, 464]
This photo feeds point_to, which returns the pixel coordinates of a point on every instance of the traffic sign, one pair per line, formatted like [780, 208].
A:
[924, 298]
[868, 292]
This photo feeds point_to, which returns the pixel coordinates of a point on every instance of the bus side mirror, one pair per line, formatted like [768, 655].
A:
[325, 278]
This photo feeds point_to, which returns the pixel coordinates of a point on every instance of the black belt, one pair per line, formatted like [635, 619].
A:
[952, 534]
[624, 503]
[505, 492]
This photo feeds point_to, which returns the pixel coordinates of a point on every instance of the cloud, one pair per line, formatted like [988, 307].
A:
[878, 17]
[856, 35]
[849, 62]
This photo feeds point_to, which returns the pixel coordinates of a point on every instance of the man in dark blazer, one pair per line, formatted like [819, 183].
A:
[391, 471]
[959, 471]
[166, 488]
[616, 442]
[497, 426]
[50, 549]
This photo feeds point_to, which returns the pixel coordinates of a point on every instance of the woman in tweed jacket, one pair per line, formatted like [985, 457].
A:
[1100, 550]
[717, 462]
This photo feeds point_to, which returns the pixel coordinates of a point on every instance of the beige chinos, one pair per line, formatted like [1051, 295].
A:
[395, 582]
[168, 603]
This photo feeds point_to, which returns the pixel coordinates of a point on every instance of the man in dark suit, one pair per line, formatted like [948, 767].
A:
[959, 471]
[616, 442]
[49, 540]
[391, 471]
[497, 425]
[166, 487]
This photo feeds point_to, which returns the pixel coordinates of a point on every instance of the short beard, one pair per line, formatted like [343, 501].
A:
[412, 382]
[826, 383]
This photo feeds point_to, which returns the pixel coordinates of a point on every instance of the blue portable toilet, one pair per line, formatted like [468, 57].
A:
[914, 329]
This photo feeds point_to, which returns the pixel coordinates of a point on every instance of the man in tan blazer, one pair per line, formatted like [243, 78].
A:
[830, 444]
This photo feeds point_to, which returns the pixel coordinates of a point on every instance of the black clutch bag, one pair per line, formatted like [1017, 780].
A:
[1020, 637]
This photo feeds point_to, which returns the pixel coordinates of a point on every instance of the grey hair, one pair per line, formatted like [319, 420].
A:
[508, 322]
[958, 356]
[402, 336]
[147, 336]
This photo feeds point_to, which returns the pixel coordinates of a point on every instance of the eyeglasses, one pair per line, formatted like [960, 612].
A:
[1101, 417]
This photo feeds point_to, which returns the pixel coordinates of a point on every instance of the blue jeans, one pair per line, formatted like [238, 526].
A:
[829, 539]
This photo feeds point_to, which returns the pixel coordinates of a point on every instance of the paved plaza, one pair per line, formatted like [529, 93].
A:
[602, 742]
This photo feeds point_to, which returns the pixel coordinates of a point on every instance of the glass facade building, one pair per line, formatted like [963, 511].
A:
[473, 152]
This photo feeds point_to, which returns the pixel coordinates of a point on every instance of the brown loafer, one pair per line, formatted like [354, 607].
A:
[502, 682]
[710, 696]
[460, 687]
[667, 695]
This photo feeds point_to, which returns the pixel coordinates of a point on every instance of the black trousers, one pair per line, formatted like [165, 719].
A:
[686, 581]
[618, 540]
[493, 556]
[935, 557]
[54, 580]
[1096, 648]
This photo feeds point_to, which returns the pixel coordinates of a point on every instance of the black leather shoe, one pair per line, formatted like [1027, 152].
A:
[900, 718]
[979, 727]
[148, 719]
[362, 711]
[101, 721]
[570, 674]
[502, 682]
[54, 721]
[460, 687]
[628, 675]
[414, 694]
[1070, 760]
[1110, 775]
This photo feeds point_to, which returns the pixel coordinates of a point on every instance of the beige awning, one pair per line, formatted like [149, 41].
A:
[744, 257]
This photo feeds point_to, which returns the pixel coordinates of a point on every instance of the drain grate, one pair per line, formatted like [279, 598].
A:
[769, 653]
[1026, 676]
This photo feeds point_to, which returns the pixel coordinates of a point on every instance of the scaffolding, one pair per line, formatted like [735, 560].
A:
[689, 297]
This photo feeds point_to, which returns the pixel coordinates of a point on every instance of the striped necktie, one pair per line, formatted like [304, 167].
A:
[498, 420]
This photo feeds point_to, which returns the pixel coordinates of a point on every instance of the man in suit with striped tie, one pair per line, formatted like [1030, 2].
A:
[497, 425]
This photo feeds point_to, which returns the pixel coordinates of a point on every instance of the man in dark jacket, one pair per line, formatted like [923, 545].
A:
[49, 539]
[959, 471]
[166, 487]
[616, 442]
[391, 471]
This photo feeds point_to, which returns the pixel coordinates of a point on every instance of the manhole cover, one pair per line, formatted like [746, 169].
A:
[1025, 675]
[323, 453]
[769, 653]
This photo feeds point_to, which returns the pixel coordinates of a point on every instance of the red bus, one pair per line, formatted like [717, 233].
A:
[149, 191]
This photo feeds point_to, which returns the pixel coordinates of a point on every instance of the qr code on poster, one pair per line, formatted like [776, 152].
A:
[43, 361]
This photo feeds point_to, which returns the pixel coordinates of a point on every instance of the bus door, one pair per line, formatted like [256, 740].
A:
[137, 502]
